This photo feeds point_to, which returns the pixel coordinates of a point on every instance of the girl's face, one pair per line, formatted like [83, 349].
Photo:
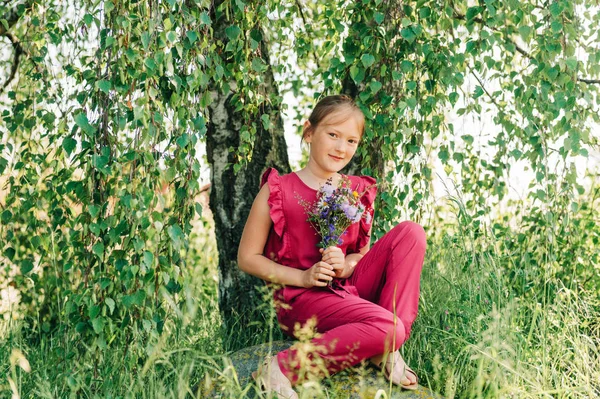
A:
[334, 142]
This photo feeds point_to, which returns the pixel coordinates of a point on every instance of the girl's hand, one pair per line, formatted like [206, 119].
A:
[334, 257]
[319, 275]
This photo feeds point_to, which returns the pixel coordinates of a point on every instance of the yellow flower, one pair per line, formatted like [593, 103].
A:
[355, 194]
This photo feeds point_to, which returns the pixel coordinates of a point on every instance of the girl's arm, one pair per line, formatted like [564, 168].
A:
[252, 261]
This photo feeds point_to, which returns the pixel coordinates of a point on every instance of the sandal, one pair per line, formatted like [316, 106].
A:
[388, 371]
[278, 383]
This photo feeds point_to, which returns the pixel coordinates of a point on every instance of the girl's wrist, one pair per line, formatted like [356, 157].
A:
[350, 263]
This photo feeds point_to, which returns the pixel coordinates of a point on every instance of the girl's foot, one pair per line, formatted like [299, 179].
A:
[397, 371]
[270, 378]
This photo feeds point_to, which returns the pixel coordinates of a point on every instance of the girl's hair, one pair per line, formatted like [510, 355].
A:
[330, 105]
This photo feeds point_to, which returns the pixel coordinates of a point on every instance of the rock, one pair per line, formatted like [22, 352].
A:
[355, 382]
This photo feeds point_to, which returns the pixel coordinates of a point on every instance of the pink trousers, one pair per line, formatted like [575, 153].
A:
[354, 328]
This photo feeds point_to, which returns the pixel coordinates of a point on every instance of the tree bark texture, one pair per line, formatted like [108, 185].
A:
[232, 194]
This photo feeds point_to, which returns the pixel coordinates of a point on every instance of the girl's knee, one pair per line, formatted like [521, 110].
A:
[393, 335]
[412, 230]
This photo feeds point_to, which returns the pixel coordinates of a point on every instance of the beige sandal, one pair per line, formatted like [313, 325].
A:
[387, 372]
[280, 385]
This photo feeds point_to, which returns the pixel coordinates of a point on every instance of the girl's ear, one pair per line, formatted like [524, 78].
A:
[307, 132]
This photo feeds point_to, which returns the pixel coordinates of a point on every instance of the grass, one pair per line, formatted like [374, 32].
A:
[491, 324]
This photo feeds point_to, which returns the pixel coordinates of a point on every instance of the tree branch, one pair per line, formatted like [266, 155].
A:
[299, 5]
[521, 50]
[589, 81]
[12, 17]
[15, 65]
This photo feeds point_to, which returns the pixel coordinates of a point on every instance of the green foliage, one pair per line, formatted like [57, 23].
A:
[481, 332]
[99, 171]
[102, 169]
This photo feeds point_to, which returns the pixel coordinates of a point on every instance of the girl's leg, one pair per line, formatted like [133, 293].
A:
[352, 329]
[389, 274]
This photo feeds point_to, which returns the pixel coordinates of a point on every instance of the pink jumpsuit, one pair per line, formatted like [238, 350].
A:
[354, 317]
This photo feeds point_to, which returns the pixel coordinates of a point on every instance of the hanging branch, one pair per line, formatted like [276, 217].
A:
[11, 19]
[521, 50]
[15, 65]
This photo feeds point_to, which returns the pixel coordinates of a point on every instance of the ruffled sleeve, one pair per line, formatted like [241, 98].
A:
[367, 200]
[275, 199]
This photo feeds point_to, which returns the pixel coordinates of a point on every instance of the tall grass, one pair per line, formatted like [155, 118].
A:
[492, 324]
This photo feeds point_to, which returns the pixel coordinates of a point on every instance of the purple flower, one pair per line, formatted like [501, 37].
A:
[350, 211]
[328, 190]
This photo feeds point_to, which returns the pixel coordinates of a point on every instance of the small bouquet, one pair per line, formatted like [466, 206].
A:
[335, 210]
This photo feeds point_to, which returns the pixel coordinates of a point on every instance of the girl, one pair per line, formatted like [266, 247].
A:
[368, 309]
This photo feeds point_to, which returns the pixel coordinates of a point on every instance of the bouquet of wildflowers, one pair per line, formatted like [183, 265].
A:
[334, 211]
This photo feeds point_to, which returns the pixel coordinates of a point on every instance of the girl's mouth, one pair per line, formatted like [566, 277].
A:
[336, 158]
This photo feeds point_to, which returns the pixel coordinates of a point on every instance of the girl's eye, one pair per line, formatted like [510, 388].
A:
[333, 134]
[353, 141]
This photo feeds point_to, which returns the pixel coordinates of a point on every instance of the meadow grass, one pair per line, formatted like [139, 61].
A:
[489, 326]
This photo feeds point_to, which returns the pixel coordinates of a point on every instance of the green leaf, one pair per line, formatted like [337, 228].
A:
[408, 34]
[375, 86]
[443, 155]
[88, 19]
[111, 304]
[525, 31]
[139, 297]
[571, 63]
[98, 325]
[108, 6]
[81, 120]
[357, 74]
[150, 64]
[472, 12]
[98, 249]
[6, 216]
[68, 144]
[258, 65]
[146, 40]
[379, 17]
[205, 18]
[453, 97]
[103, 85]
[128, 301]
[172, 37]
[93, 210]
[232, 32]
[183, 140]
[192, 36]
[148, 258]
[406, 66]
[26, 266]
[94, 311]
[367, 60]
[81, 327]
[175, 233]
[266, 121]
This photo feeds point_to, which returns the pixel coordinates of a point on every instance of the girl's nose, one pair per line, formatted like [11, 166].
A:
[340, 146]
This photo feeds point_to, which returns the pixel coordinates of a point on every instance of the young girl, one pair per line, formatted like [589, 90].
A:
[367, 311]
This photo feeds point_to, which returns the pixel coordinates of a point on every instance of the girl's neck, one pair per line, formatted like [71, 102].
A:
[318, 177]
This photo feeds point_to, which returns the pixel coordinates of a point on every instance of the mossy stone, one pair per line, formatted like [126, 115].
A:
[355, 382]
